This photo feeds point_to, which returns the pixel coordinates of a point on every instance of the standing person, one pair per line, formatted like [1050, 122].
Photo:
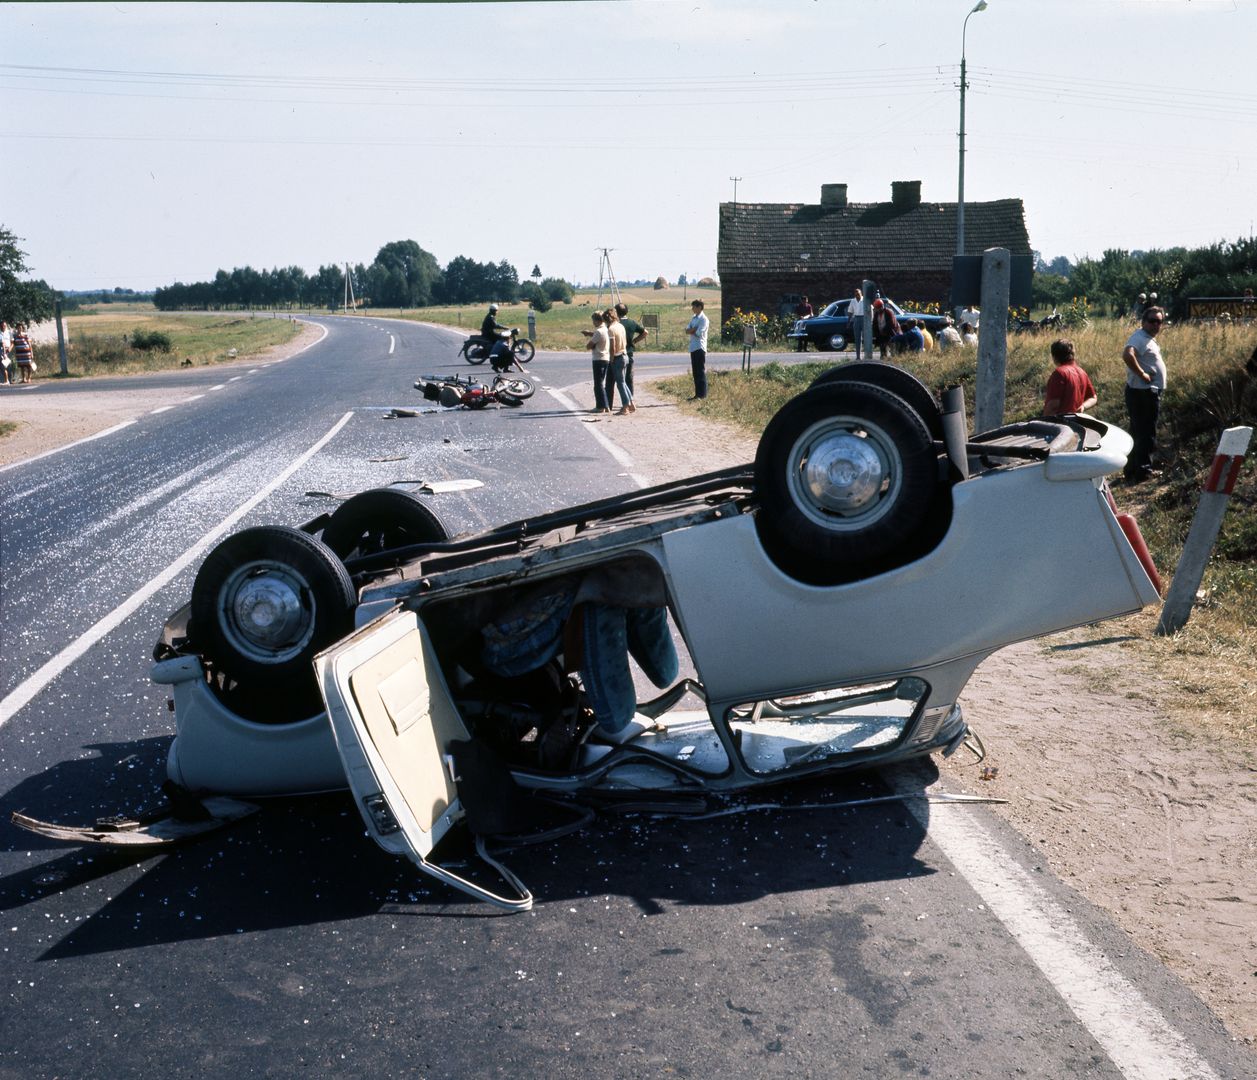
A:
[803, 310]
[972, 316]
[619, 361]
[885, 326]
[6, 343]
[1069, 388]
[1145, 382]
[855, 319]
[636, 334]
[599, 345]
[697, 329]
[23, 353]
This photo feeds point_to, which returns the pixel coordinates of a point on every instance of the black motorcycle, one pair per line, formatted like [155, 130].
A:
[1029, 326]
[476, 349]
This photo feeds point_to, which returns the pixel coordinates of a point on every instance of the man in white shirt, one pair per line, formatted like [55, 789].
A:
[855, 319]
[1145, 381]
[697, 329]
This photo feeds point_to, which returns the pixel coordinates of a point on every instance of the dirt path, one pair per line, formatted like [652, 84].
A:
[1137, 812]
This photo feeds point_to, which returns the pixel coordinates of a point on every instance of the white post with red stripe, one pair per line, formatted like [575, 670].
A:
[1204, 531]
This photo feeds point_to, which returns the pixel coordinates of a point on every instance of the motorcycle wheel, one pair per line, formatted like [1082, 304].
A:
[509, 400]
[475, 354]
[524, 350]
[514, 385]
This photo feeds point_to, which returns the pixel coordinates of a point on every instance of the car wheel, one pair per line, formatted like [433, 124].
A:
[837, 342]
[845, 475]
[380, 519]
[266, 600]
[898, 381]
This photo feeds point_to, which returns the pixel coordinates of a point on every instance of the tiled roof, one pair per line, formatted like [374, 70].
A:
[802, 237]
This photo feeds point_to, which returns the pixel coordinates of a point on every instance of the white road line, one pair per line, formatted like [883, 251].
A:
[213, 388]
[194, 397]
[235, 378]
[616, 451]
[26, 690]
[391, 342]
[160, 409]
[58, 449]
[1137, 1038]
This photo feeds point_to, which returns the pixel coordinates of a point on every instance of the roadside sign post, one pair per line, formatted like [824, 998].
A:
[988, 412]
[1204, 529]
[532, 324]
[65, 367]
[869, 290]
[650, 321]
[748, 343]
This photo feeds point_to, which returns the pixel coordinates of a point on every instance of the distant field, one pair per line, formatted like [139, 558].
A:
[561, 326]
[100, 344]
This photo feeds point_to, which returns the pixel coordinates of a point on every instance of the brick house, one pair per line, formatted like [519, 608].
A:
[771, 253]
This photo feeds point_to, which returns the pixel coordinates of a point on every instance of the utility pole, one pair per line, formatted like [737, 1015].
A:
[607, 275]
[960, 193]
[735, 180]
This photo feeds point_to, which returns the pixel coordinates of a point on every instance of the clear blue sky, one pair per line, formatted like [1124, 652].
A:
[149, 143]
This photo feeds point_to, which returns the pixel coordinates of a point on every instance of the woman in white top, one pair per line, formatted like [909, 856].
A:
[600, 347]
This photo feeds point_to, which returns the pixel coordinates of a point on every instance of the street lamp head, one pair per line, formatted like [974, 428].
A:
[979, 6]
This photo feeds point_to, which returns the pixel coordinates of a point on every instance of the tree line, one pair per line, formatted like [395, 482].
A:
[402, 275]
[1112, 282]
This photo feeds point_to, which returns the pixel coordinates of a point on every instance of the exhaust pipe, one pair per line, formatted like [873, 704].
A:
[956, 430]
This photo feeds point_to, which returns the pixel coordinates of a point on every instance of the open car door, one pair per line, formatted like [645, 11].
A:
[394, 723]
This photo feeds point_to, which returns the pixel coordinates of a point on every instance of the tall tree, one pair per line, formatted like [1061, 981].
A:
[20, 301]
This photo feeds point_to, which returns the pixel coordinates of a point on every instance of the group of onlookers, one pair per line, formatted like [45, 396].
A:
[15, 352]
[612, 342]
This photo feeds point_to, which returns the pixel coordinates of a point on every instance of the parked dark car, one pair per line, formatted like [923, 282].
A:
[831, 329]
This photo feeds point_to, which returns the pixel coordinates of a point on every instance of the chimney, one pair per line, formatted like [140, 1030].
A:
[905, 193]
[833, 196]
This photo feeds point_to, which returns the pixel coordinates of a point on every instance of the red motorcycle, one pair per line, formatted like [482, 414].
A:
[453, 392]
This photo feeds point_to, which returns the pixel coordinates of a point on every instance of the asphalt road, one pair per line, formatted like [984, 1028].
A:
[881, 940]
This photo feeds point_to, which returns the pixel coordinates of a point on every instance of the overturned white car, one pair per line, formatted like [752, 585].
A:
[819, 610]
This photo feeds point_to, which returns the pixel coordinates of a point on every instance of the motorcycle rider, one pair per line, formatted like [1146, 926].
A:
[490, 327]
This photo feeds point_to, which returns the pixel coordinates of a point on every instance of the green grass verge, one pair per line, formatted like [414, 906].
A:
[101, 343]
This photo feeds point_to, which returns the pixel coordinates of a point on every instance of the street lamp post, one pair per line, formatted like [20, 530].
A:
[960, 193]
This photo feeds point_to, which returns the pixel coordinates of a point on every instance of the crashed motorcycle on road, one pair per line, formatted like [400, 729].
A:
[827, 605]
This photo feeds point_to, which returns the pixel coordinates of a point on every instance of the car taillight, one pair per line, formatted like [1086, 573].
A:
[1130, 528]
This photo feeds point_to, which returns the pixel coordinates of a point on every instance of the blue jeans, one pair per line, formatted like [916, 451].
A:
[857, 334]
[698, 365]
[611, 635]
[601, 371]
[616, 378]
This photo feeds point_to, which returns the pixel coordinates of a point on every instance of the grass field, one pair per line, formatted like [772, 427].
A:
[100, 342]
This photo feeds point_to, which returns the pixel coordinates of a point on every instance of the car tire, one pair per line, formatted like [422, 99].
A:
[890, 377]
[265, 601]
[836, 342]
[380, 519]
[846, 475]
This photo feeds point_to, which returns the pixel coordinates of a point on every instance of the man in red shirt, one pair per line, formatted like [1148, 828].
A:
[1069, 388]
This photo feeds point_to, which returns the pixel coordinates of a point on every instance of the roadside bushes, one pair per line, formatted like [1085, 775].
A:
[151, 341]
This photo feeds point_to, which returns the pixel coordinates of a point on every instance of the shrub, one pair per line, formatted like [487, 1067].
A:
[151, 341]
[535, 295]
